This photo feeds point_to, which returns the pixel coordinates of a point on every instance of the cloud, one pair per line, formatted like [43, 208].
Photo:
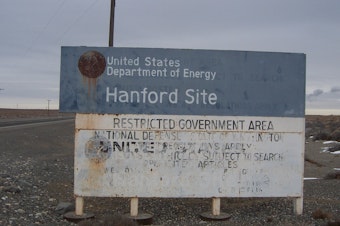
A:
[326, 100]
[316, 93]
[335, 89]
[320, 95]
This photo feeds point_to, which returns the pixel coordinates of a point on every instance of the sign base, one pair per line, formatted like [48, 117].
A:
[210, 216]
[141, 218]
[73, 217]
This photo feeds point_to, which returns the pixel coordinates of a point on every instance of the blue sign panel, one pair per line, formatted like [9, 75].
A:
[182, 82]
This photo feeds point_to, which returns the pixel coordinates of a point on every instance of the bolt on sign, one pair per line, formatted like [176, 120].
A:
[185, 123]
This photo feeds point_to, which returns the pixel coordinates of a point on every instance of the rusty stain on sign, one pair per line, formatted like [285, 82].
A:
[91, 65]
[95, 174]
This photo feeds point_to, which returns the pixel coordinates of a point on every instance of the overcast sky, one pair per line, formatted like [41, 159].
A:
[32, 33]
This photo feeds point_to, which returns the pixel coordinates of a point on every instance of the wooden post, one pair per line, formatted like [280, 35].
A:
[142, 218]
[216, 204]
[78, 214]
[215, 213]
[134, 207]
[298, 205]
[112, 22]
[79, 205]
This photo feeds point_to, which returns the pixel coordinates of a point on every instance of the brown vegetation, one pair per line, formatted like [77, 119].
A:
[323, 127]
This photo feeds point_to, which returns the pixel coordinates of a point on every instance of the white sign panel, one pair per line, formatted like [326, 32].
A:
[188, 156]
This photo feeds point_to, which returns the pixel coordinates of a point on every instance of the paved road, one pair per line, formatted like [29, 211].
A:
[40, 139]
[7, 124]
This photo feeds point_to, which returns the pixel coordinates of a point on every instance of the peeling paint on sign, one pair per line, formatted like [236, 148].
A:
[208, 157]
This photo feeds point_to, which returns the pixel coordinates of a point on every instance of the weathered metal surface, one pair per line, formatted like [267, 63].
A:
[188, 156]
[182, 82]
[185, 123]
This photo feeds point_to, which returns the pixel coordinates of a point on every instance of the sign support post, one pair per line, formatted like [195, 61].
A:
[216, 213]
[134, 207]
[216, 205]
[298, 205]
[78, 214]
[143, 218]
[79, 206]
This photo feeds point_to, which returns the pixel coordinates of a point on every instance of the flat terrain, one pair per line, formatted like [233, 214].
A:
[36, 174]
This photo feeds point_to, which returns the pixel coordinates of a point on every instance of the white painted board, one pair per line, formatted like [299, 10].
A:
[188, 156]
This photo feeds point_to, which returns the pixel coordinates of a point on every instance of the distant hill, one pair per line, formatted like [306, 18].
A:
[30, 113]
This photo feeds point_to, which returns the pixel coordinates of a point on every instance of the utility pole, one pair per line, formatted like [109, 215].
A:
[112, 22]
[48, 107]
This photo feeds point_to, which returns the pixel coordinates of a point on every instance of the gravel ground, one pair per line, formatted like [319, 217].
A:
[36, 188]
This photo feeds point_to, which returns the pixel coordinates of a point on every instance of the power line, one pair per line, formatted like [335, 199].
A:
[77, 19]
[44, 28]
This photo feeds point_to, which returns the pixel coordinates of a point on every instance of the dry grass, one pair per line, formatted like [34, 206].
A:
[29, 113]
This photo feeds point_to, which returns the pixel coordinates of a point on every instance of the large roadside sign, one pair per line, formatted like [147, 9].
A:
[181, 82]
[185, 123]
